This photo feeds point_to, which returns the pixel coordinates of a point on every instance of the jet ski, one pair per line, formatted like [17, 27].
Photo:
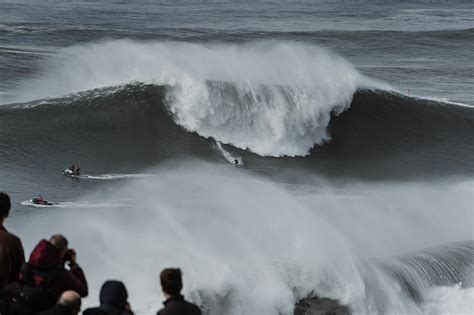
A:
[41, 202]
[71, 173]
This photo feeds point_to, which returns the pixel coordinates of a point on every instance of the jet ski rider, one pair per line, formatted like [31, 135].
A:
[73, 171]
[38, 200]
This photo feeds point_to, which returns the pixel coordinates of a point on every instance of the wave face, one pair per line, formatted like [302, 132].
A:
[296, 100]
[272, 98]
[381, 134]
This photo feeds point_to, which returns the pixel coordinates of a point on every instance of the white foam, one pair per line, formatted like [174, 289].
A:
[113, 176]
[247, 246]
[30, 203]
[449, 300]
[442, 100]
[274, 98]
[82, 204]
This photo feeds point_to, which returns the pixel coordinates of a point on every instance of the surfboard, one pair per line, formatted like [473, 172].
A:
[229, 157]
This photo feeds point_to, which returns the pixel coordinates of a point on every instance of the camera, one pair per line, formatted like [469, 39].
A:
[69, 254]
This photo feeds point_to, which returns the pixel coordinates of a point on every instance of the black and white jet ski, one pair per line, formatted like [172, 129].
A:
[71, 173]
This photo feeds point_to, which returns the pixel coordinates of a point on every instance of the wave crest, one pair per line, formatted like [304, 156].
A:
[273, 98]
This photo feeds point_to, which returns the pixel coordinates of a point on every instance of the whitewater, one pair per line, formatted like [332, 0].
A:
[271, 248]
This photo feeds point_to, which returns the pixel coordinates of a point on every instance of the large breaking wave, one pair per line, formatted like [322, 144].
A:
[272, 98]
[381, 135]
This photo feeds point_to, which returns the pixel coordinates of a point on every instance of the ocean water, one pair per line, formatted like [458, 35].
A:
[352, 122]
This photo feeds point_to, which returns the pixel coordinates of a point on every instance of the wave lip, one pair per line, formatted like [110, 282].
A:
[272, 99]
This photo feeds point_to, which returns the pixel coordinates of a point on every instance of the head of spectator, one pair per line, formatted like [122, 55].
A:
[71, 300]
[113, 293]
[5, 206]
[171, 282]
[113, 300]
[60, 242]
[48, 254]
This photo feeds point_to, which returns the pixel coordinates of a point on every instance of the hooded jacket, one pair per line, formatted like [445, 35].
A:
[12, 257]
[113, 300]
[48, 269]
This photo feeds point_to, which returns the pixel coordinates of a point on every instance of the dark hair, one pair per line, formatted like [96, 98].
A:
[171, 281]
[5, 205]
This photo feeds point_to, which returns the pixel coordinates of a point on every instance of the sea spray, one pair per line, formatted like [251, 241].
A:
[248, 246]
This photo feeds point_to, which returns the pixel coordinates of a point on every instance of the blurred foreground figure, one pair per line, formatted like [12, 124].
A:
[46, 267]
[69, 304]
[43, 279]
[12, 256]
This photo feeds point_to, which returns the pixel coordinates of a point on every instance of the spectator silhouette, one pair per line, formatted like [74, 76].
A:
[113, 300]
[12, 255]
[46, 267]
[175, 303]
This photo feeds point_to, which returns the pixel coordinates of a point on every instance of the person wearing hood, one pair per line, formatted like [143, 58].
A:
[113, 300]
[12, 256]
[46, 268]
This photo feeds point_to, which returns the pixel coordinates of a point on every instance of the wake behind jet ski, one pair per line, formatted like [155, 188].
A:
[72, 171]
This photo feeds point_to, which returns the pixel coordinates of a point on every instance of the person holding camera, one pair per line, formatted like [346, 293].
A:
[44, 278]
[47, 268]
